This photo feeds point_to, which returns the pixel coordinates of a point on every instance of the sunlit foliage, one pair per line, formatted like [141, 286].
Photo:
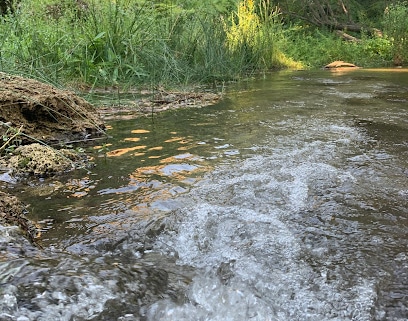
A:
[145, 43]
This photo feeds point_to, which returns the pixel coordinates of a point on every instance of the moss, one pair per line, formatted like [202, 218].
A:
[41, 160]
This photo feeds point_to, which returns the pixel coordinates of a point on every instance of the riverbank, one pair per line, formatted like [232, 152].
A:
[40, 123]
[36, 121]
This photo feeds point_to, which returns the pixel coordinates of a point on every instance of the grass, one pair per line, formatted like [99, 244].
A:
[125, 42]
[130, 43]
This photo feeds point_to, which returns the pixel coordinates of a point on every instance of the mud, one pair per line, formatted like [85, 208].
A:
[34, 117]
[42, 161]
[160, 101]
[43, 112]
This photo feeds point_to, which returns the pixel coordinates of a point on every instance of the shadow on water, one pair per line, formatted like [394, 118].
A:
[286, 201]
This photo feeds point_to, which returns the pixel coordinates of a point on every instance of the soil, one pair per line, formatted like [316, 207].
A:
[158, 102]
[12, 212]
[33, 117]
[41, 161]
[42, 112]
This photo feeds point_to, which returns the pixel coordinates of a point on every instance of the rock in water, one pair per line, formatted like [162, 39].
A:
[339, 64]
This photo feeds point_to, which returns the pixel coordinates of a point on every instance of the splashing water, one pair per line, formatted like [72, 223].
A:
[241, 219]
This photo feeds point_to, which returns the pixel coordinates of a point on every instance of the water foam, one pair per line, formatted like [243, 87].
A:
[236, 228]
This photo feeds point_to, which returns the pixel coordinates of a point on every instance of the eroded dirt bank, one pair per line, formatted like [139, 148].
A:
[34, 117]
[43, 112]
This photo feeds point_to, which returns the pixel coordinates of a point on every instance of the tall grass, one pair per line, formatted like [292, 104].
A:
[133, 42]
[253, 33]
[140, 42]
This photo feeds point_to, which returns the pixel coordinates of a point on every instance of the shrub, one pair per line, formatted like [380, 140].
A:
[396, 30]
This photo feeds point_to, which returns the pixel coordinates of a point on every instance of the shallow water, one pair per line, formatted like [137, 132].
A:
[286, 201]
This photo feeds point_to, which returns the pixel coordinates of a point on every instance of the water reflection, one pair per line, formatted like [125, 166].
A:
[122, 151]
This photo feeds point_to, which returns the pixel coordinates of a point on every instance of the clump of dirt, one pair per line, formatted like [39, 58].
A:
[33, 112]
[164, 100]
[43, 112]
[40, 160]
[12, 212]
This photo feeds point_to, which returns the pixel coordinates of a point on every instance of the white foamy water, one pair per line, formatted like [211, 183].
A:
[245, 229]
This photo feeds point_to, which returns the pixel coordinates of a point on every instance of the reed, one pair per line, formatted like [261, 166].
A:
[127, 43]
[102, 42]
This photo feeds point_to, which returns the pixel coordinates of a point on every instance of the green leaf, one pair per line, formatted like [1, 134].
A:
[100, 35]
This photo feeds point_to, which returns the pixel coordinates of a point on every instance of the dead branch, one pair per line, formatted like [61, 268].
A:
[346, 36]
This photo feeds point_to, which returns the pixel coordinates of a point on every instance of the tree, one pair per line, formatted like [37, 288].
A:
[396, 29]
[6, 6]
[341, 15]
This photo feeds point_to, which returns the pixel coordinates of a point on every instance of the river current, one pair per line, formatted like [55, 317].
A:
[288, 200]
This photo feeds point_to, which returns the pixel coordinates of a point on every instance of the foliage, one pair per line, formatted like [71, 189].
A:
[251, 39]
[331, 12]
[10, 139]
[102, 42]
[315, 48]
[396, 29]
[162, 42]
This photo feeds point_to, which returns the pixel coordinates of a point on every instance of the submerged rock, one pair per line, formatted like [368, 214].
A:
[12, 212]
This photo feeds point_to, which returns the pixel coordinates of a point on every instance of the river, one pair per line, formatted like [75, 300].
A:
[288, 200]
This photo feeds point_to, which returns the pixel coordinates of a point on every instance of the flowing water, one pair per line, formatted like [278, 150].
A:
[286, 201]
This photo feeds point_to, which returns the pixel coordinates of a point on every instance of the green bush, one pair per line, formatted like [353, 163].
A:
[396, 30]
[316, 48]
